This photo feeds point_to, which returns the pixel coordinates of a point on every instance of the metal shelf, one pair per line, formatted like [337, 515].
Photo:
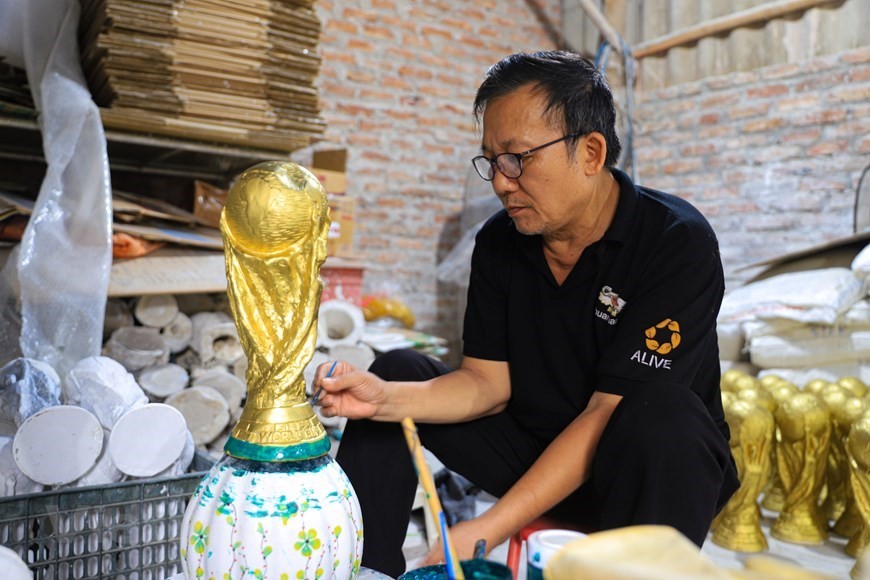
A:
[21, 140]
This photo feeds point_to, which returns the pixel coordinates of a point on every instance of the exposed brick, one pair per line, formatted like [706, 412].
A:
[382, 32]
[823, 117]
[849, 94]
[698, 148]
[682, 166]
[801, 135]
[828, 148]
[763, 125]
[720, 100]
[797, 103]
[822, 82]
[416, 72]
[857, 56]
[780, 71]
[746, 111]
[709, 119]
[767, 91]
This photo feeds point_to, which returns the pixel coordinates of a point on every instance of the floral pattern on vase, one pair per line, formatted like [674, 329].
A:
[296, 520]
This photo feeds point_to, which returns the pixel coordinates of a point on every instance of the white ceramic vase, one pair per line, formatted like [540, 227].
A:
[294, 520]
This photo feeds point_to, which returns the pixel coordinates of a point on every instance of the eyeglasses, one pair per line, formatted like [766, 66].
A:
[510, 164]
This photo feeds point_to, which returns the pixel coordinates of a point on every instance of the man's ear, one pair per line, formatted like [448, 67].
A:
[595, 149]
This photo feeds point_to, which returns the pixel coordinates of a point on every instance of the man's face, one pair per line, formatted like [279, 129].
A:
[548, 198]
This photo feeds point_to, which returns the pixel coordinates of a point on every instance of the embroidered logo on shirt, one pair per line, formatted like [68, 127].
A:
[662, 338]
[612, 300]
[653, 338]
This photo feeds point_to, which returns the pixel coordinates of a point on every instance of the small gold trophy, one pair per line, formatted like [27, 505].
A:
[774, 495]
[802, 455]
[739, 524]
[850, 520]
[858, 449]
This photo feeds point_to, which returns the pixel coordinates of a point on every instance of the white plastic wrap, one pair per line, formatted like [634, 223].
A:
[26, 387]
[58, 277]
[861, 263]
[811, 296]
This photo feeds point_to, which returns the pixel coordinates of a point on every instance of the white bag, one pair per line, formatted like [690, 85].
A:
[811, 296]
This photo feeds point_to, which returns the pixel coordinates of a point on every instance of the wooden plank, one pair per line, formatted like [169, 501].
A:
[682, 63]
[714, 56]
[756, 15]
[846, 28]
[747, 44]
[600, 21]
[655, 23]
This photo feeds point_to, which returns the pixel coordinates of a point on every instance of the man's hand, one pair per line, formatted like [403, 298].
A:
[463, 536]
[349, 392]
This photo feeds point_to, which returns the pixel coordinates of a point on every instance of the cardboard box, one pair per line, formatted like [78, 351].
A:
[329, 167]
[341, 212]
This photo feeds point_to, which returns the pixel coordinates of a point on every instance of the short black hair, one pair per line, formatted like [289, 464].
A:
[574, 89]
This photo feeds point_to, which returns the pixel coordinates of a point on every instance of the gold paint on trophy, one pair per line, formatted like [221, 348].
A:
[802, 455]
[837, 473]
[774, 495]
[738, 526]
[274, 227]
[850, 521]
[858, 449]
[854, 385]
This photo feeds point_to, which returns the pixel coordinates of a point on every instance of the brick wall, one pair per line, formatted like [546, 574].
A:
[772, 157]
[397, 83]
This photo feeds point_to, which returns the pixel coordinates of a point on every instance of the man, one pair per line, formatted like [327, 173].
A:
[589, 388]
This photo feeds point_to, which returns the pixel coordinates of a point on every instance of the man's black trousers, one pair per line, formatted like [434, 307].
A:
[661, 460]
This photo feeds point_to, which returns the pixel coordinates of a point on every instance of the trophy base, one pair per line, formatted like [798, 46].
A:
[257, 452]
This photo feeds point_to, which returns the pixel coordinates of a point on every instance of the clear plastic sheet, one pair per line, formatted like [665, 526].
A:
[26, 386]
[54, 285]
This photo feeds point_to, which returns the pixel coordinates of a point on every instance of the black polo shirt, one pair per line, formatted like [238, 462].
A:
[640, 306]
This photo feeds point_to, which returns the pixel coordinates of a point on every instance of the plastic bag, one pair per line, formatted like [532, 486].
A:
[58, 277]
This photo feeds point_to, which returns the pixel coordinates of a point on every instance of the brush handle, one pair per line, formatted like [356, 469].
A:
[454, 570]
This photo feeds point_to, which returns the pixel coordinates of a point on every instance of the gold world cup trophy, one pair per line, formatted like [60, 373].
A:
[858, 450]
[850, 520]
[738, 526]
[276, 504]
[835, 492]
[774, 495]
[802, 455]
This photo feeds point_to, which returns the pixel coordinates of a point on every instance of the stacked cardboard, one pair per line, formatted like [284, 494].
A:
[230, 71]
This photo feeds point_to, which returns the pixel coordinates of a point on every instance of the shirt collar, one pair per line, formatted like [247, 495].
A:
[623, 221]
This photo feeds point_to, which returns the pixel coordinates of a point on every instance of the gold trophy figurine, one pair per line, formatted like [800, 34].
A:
[738, 525]
[802, 456]
[850, 520]
[858, 449]
[774, 495]
[276, 504]
[275, 225]
[837, 474]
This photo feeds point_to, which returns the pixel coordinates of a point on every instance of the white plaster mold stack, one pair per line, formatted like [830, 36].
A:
[94, 427]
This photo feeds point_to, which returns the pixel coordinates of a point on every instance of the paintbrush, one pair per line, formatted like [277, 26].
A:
[454, 569]
[320, 390]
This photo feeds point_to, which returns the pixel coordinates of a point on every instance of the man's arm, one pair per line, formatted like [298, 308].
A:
[478, 388]
[559, 471]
